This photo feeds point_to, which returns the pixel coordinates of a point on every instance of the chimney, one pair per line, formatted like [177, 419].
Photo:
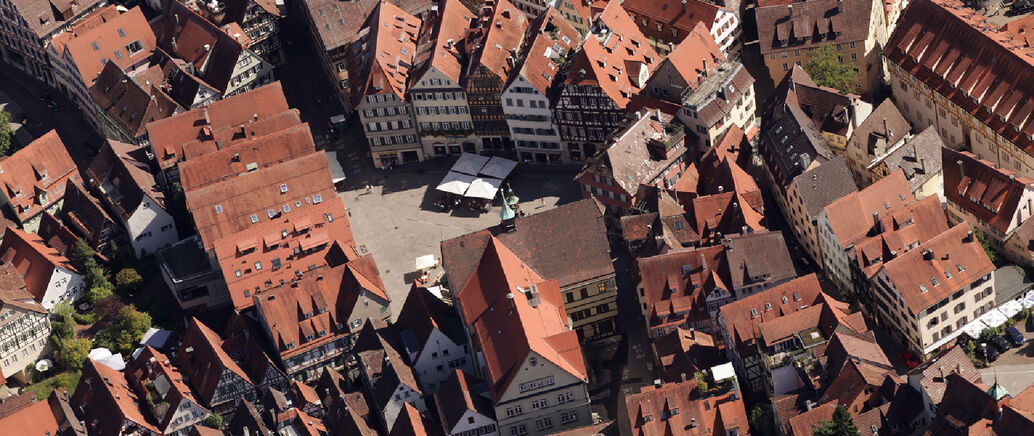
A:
[886, 129]
[840, 6]
[928, 254]
[962, 172]
[969, 237]
[533, 295]
[940, 369]
[657, 383]
[922, 165]
[876, 225]
[208, 120]
[692, 421]
[683, 375]
[683, 6]
[703, 262]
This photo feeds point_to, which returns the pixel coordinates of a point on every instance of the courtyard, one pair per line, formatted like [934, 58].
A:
[398, 222]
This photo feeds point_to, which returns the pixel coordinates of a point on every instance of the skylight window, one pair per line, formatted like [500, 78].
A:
[317, 199]
[271, 213]
[922, 288]
[283, 188]
[947, 274]
[218, 208]
[934, 281]
[287, 208]
[753, 313]
[254, 218]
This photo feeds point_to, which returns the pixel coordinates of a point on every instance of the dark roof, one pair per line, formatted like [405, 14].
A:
[189, 36]
[129, 103]
[754, 254]
[45, 17]
[83, 214]
[818, 187]
[953, 360]
[337, 23]
[568, 243]
[882, 129]
[919, 157]
[456, 397]
[421, 314]
[812, 23]
[121, 171]
[997, 190]
[966, 406]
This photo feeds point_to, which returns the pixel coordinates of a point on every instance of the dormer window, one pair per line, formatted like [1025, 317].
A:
[316, 199]
[753, 313]
[254, 218]
[796, 297]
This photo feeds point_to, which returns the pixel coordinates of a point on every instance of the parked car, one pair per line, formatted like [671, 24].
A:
[1014, 336]
[987, 353]
[910, 360]
[1002, 343]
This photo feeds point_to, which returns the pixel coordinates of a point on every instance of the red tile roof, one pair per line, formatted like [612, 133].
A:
[814, 23]
[33, 259]
[539, 60]
[42, 167]
[441, 42]
[257, 152]
[150, 366]
[381, 59]
[130, 101]
[411, 423]
[122, 172]
[615, 60]
[168, 136]
[207, 361]
[966, 59]
[739, 316]
[282, 248]
[55, 235]
[852, 216]
[458, 386]
[105, 400]
[502, 30]
[676, 285]
[698, 54]
[233, 205]
[955, 261]
[987, 192]
[84, 215]
[696, 416]
[104, 36]
[36, 419]
[903, 228]
[509, 329]
[684, 15]
[190, 37]
[683, 352]
[801, 425]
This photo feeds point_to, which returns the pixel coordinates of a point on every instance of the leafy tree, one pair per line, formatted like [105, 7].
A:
[108, 308]
[761, 422]
[72, 353]
[97, 293]
[214, 420]
[62, 326]
[128, 280]
[6, 135]
[982, 238]
[827, 68]
[82, 255]
[988, 334]
[840, 425]
[124, 334]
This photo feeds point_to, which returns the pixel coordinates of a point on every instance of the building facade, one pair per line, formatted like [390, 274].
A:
[28, 28]
[724, 98]
[667, 22]
[24, 326]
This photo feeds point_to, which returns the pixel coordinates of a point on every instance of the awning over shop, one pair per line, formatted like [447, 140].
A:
[1011, 308]
[455, 183]
[993, 318]
[469, 163]
[424, 262]
[974, 328]
[498, 167]
[484, 187]
[337, 173]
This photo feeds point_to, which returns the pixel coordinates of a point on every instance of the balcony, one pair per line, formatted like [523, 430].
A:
[673, 134]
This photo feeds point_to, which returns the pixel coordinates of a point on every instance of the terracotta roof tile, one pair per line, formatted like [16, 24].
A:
[44, 17]
[131, 101]
[421, 314]
[852, 217]
[82, 213]
[33, 259]
[628, 156]
[382, 57]
[684, 17]
[441, 42]
[953, 360]
[206, 361]
[104, 398]
[696, 416]
[984, 190]
[684, 352]
[758, 254]
[698, 55]
[742, 317]
[43, 166]
[104, 36]
[122, 171]
[35, 419]
[191, 37]
[675, 285]
[919, 156]
[411, 423]
[901, 229]
[151, 366]
[539, 60]
[801, 425]
[256, 152]
[779, 24]
[458, 386]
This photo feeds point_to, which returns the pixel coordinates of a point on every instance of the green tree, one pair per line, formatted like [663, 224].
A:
[62, 325]
[72, 353]
[840, 425]
[97, 293]
[761, 422]
[827, 68]
[982, 238]
[82, 255]
[124, 334]
[128, 280]
[214, 420]
[988, 334]
[6, 135]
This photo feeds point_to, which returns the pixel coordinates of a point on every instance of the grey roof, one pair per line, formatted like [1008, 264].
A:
[919, 156]
[791, 142]
[882, 129]
[627, 156]
[953, 360]
[719, 92]
[820, 186]
[761, 253]
[42, 15]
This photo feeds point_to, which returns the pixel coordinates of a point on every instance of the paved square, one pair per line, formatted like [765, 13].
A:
[398, 222]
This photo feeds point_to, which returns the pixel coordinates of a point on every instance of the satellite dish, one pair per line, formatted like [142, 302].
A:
[44, 365]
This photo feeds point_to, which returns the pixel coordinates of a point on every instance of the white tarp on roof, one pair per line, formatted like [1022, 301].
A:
[469, 163]
[337, 173]
[424, 262]
[974, 328]
[104, 357]
[156, 337]
[498, 167]
[723, 371]
[483, 187]
[1011, 308]
[993, 318]
[455, 183]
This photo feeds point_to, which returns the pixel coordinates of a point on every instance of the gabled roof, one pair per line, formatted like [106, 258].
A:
[628, 155]
[42, 166]
[884, 127]
[204, 166]
[698, 54]
[455, 398]
[615, 57]
[540, 60]
[853, 216]
[421, 314]
[901, 229]
[812, 23]
[121, 172]
[757, 254]
[14, 294]
[169, 136]
[676, 284]
[919, 157]
[204, 361]
[938, 267]
[83, 214]
[104, 36]
[44, 17]
[953, 361]
[441, 42]
[963, 57]
[411, 423]
[742, 317]
[509, 329]
[35, 418]
[105, 399]
[130, 103]
[652, 411]
[502, 32]
[683, 16]
[844, 347]
[189, 36]
[987, 192]
[55, 235]
[854, 380]
[153, 367]
[382, 57]
[33, 259]
[685, 352]
[230, 206]
[966, 409]
[544, 241]
[803, 424]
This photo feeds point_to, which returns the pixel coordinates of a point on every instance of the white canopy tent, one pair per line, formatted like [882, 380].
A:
[1027, 302]
[974, 328]
[993, 318]
[469, 163]
[424, 262]
[1011, 308]
[455, 183]
[723, 371]
[483, 187]
[498, 167]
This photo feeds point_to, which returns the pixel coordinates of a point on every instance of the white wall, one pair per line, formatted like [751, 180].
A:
[480, 420]
[432, 355]
[150, 219]
[511, 108]
[64, 285]
[727, 39]
[403, 394]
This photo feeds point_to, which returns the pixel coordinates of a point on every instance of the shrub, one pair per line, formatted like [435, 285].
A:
[72, 353]
[123, 335]
[128, 280]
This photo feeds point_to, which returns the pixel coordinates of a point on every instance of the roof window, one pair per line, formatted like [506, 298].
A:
[271, 213]
[218, 208]
[922, 288]
[317, 199]
[796, 297]
[254, 218]
[283, 188]
[753, 313]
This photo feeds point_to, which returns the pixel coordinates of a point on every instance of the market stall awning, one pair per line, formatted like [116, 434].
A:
[1027, 302]
[483, 187]
[498, 167]
[1011, 308]
[337, 173]
[993, 318]
[469, 163]
[974, 328]
[424, 262]
[455, 183]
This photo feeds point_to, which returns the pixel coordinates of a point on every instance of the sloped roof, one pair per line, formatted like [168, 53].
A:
[43, 165]
[679, 282]
[458, 386]
[802, 424]
[919, 157]
[822, 185]
[685, 351]
[778, 24]
[382, 57]
[204, 167]
[411, 423]
[884, 127]
[168, 136]
[965, 409]
[14, 294]
[953, 360]
[696, 416]
[122, 172]
[191, 37]
[35, 418]
[45, 17]
[956, 261]
[901, 229]
[441, 42]
[683, 16]
[109, 394]
[421, 314]
[614, 57]
[151, 365]
[508, 337]
[104, 36]
[83, 213]
[969, 61]
[503, 32]
[206, 361]
[698, 54]
[539, 60]
[758, 253]
[740, 318]
[33, 259]
[852, 217]
[131, 104]
[627, 156]
[55, 235]
[997, 190]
